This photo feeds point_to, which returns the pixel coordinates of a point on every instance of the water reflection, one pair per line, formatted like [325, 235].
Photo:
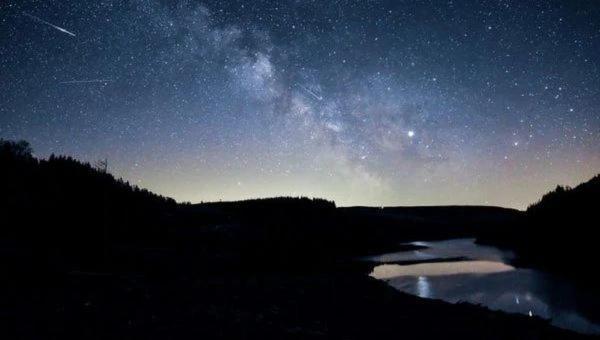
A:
[386, 271]
[488, 280]
[445, 250]
[423, 288]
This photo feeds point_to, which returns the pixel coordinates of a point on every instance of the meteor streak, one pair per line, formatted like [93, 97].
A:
[85, 81]
[317, 97]
[49, 24]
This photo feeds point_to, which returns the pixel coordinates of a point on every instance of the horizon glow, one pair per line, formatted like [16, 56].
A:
[378, 103]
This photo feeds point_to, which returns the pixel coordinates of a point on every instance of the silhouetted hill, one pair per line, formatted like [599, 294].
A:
[318, 232]
[430, 222]
[559, 232]
[78, 216]
[578, 202]
[68, 212]
[86, 255]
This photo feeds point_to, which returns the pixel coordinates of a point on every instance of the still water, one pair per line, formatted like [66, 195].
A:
[461, 271]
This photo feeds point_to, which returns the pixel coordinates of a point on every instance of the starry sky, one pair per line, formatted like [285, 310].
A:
[363, 102]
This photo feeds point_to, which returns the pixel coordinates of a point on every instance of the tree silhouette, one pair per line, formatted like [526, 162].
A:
[19, 149]
[102, 165]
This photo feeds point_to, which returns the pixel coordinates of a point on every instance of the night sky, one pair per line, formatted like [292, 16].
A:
[362, 102]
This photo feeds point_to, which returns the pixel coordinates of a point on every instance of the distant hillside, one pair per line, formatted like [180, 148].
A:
[432, 222]
[72, 214]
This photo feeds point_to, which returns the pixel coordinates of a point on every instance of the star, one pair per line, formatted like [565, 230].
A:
[220, 92]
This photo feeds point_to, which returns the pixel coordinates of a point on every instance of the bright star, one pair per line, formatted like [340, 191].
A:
[411, 133]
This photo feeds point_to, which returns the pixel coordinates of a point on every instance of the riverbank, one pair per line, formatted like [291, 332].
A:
[487, 276]
[342, 303]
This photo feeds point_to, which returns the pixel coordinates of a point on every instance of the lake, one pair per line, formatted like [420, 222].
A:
[459, 270]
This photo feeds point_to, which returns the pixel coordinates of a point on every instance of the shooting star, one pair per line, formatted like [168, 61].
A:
[49, 24]
[317, 97]
[86, 81]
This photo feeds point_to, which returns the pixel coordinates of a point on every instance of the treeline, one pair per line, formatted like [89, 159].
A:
[559, 232]
[68, 212]
[579, 201]
[564, 229]
[72, 215]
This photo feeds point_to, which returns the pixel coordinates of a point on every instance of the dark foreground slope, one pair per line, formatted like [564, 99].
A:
[559, 233]
[337, 304]
[86, 256]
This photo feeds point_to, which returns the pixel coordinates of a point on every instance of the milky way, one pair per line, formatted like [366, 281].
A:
[362, 102]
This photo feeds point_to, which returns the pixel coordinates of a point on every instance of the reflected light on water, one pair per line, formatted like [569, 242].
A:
[388, 271]
[423, 287]
[513, 290]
